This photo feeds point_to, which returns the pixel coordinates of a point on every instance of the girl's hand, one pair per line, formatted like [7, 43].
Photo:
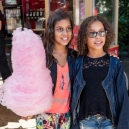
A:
[114, 55]
[27, 118]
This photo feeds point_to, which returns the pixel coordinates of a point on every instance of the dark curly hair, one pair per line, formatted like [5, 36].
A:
[82, 34]
[54, 17]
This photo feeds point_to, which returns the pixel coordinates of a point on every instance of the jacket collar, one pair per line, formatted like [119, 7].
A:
[80, 80]
[108, 80]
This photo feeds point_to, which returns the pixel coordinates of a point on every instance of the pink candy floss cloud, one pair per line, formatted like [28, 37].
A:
[28, 91]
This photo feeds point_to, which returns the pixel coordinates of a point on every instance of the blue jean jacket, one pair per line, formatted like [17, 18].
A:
[115, 87]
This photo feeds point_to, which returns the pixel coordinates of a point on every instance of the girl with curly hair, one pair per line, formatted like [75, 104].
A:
[99, 98]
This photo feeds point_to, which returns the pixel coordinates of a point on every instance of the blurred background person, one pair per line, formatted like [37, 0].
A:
[4, 68]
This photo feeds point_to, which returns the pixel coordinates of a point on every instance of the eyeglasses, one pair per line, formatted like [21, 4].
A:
[92, 34]
[61, 30]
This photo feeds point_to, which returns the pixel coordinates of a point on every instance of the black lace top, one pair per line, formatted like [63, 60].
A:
[93, 99]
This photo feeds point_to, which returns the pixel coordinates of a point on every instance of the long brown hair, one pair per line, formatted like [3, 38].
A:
[82, 34]
[54, 17]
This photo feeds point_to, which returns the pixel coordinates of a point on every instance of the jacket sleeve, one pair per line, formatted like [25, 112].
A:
[75, 122]
[76, 67]
[4, 68]
[75, 126]
[123, 100]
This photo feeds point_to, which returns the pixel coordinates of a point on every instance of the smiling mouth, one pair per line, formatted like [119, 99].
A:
[65, 39]
[98, 43]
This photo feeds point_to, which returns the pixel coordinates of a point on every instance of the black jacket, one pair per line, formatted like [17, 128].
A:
[71, 60]
[4, 68]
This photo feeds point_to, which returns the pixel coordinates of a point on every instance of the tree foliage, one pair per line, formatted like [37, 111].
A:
[123, 23]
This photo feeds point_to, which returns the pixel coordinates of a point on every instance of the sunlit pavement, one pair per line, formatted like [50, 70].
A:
[22, 124]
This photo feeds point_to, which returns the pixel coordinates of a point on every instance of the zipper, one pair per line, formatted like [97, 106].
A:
[77, 102]
[110, 108]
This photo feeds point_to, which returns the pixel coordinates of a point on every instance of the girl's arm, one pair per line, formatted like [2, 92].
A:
[75, 71]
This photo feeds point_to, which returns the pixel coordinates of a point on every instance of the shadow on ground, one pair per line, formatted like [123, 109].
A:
[7, 115]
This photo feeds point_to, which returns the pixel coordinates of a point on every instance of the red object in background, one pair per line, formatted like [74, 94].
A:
[37, 4]
[95, 12]
[33, 4]
[113, 50]
[53, 5]
[73, 44]
[59, 4]
[25, 6]
[32, 24]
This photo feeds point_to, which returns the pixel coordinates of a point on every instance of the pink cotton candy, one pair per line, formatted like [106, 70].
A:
[28, 91]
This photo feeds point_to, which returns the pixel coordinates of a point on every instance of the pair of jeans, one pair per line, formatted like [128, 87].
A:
[96, 122]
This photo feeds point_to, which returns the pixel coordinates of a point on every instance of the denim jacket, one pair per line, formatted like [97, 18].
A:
[115, 87]
[71, 60]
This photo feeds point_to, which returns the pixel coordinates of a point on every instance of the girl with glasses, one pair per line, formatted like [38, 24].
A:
[99, 97]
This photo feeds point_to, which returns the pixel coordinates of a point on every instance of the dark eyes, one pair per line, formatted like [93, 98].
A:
[59, 29]
[68, 29]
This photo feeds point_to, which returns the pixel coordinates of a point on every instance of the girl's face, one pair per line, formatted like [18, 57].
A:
[62, 32]
[96, 36]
